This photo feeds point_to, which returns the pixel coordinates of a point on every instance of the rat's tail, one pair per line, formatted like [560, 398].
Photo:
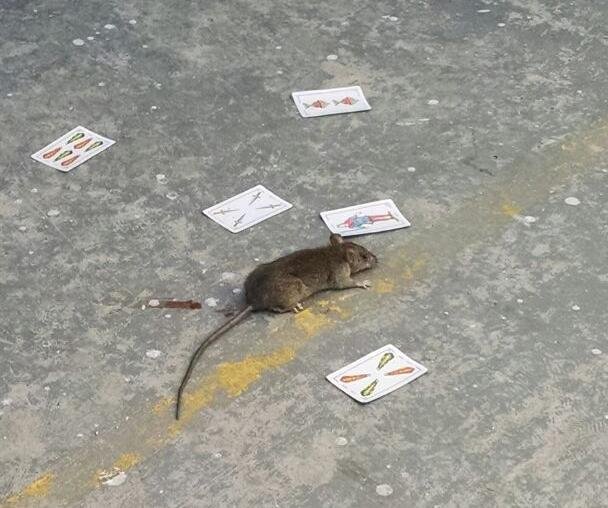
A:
[213, 336]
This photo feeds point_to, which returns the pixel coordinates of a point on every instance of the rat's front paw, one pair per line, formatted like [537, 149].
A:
[366, 284]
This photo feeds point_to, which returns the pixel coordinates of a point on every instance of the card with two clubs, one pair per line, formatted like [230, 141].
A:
[376, 374]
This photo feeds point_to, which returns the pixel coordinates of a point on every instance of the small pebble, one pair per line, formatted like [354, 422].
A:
[160, 178]
[132, 22]
[331, 57]
[576, 307]
[596, 351]
[167, 316]
[9, 94]
[30, 252]
[211, 302]
[109, 26]
[171, 195]
[341, 441]
[34, 190]
[393, 18]
[572, 201]
[80, 434]
[47, 388]
[384, 490]
[153, 108]
[22, 228]
[236, 291]
[101, 83]
[433, 102]
[78, 42]
[90, 38]
[145, 46]
[53, 212]
[519, 300]
[278, 47]
[529, 219]
[153, 353]
[483, 11]
[143, 307]
[158, 85]
[411, 169]
[501, 25]
[154, 303]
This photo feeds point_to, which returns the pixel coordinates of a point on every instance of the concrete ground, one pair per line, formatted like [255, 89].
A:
[499, 287]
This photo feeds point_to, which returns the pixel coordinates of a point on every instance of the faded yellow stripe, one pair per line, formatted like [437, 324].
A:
[510, 209]
[383, 286]
[39, 488]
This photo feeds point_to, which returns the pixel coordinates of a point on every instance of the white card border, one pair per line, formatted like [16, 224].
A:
[332, 378]
[286, 204]
[305, 114]
[404, 223]
[37, 156]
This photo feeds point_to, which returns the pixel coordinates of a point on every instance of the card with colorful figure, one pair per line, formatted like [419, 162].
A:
[72, 149]
[367, 218]
[376, 374]
[330, 102]
[247, 208]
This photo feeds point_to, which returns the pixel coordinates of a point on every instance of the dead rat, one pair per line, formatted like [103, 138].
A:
[282, 285]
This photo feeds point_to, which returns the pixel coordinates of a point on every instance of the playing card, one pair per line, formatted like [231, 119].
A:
[376, 374]
[247, 208]
[330, 102]
[72, 149]
[366, 218]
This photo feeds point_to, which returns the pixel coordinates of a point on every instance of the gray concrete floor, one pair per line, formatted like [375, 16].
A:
[499, 287]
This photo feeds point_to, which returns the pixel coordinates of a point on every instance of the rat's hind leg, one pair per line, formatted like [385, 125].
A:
[280, 310]
[288, 294]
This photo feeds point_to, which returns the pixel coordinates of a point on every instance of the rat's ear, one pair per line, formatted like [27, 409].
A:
[335, 239]
[351, 255]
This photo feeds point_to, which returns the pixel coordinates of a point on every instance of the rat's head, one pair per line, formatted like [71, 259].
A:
[359, 258]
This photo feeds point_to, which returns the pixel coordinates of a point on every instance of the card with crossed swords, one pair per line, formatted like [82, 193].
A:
[247, 209]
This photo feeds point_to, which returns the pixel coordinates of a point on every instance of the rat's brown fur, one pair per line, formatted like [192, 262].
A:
[283, 284]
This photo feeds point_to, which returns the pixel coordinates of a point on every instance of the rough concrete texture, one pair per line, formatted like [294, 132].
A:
[499, 287]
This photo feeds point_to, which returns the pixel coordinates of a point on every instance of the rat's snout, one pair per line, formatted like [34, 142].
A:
[373, 260]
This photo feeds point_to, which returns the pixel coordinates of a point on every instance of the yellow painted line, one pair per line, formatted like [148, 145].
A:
[510, 209]
[424, 253]
[383, 286]
[39, 488]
